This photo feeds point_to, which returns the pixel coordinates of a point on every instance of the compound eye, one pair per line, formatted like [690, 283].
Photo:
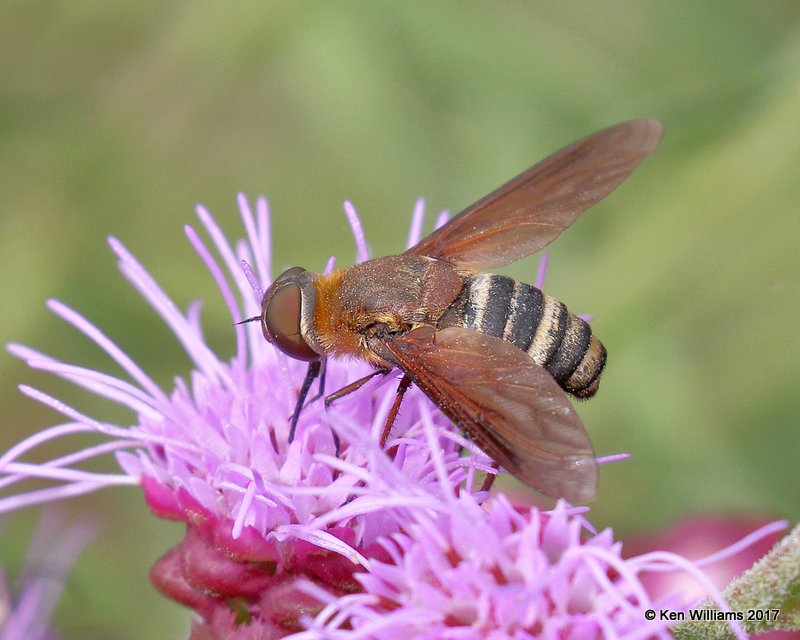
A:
[282, 322]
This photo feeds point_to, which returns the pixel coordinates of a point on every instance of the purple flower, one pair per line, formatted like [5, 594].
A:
[39, 584]
[299, 537]
[213, 452]
[500, 572]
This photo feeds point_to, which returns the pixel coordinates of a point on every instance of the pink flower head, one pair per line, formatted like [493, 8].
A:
[214, 453]
[358, 542]
[460, 569]
[499, 572]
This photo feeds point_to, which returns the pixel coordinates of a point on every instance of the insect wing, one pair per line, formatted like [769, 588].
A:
[511, 407]
[531, 210]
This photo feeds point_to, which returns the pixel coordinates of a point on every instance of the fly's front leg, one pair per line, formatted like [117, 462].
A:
[311, 374]
[321, 388]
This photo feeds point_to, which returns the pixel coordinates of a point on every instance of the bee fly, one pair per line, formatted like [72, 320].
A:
[494, 354]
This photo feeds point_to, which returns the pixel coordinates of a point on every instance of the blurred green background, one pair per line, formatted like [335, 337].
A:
[116, 118]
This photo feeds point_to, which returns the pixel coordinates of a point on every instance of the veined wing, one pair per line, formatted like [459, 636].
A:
[531, 210]
[509, 405]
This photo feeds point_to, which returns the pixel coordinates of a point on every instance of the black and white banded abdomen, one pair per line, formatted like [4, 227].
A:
[537, 323]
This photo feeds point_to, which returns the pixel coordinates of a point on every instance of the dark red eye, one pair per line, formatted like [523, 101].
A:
[281, 319]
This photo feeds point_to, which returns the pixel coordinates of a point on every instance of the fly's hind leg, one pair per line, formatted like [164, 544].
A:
[405, 383]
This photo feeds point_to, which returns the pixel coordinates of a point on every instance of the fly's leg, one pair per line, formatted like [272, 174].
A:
[405, 383]
[353, 386]
[488, 481]
[311, 374]
[348, 389]
[321, 389]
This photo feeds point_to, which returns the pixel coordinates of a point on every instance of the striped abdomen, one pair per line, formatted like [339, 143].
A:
[534, 322]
